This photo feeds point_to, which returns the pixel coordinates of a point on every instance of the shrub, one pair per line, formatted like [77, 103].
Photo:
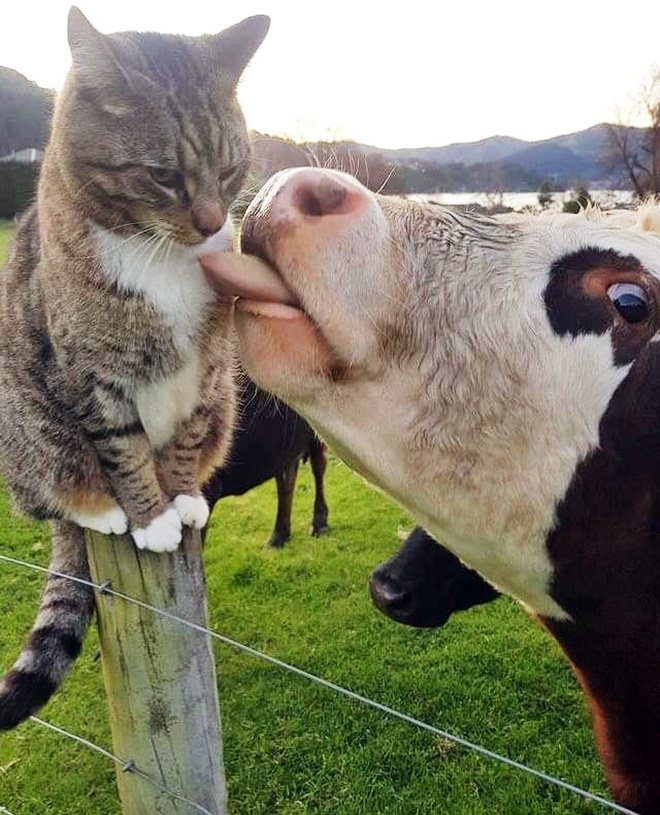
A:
[18, 183]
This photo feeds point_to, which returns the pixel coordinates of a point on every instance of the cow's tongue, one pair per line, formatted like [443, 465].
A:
[246, 276]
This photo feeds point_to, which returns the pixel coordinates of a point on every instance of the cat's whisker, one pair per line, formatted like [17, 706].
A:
[159, 244]
[131, 238]
[101, 253]
[136, 252]
[130, 223]
[168, 250]
[389, 175]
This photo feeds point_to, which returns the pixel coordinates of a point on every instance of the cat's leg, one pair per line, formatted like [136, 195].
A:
[113, 426]
[100, 513]
[50, 465]
[199, 446]
[179, 466]
[126, 454]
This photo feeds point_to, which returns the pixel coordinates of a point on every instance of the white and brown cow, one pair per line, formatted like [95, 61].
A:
[502, 382]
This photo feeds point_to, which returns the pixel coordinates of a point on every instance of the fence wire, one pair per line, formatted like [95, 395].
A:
[126, 766]
[105, 589]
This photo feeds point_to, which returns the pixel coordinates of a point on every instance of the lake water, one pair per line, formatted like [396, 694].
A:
[607, 199]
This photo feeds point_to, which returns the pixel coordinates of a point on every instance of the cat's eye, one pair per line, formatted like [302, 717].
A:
[171, 179]
[630, 300]
[226, 174]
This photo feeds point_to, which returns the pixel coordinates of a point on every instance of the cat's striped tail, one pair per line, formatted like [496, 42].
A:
[64, 615]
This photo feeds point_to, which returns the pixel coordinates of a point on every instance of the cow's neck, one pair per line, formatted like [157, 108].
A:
[606, 555]
[623, 689]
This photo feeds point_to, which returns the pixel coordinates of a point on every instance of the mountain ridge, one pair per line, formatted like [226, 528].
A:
[494, 162]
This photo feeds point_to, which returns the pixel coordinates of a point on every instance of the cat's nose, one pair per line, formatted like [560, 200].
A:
[207, 217]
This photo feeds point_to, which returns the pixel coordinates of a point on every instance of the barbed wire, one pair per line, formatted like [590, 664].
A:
[126, 766]
[105, 589]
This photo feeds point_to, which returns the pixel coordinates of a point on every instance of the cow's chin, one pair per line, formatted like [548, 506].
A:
[283, 350]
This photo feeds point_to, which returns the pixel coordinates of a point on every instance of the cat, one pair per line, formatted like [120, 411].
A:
[116, 360]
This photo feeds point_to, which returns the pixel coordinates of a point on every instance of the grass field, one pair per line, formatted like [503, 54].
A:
[6, 228]
[292, 748]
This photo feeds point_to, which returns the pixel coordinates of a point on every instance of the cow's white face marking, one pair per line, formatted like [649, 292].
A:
[436, 372]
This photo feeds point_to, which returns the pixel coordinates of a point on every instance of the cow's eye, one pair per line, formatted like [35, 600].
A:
[630, 301]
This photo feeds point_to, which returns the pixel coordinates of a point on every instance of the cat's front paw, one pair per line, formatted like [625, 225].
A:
[193, 510]
[163, 534]
[111, 521]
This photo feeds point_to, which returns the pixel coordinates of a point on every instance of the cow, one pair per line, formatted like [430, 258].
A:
[501, 381]
[269, 441]
[423, 584]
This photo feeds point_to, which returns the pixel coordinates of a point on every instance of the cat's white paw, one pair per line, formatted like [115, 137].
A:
[163, 534]
[193, 510]
[111, 522]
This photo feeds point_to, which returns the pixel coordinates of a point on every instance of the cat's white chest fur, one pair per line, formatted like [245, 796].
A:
[162, 405]
[170, 278]
[167, 274]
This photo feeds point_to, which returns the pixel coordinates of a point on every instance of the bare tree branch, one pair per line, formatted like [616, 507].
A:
[639, 157]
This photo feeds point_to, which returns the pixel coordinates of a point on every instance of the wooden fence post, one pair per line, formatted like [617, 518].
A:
[159, 676]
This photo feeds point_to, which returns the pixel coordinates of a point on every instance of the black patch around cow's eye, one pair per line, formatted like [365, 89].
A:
[630, 301]
[586, 294]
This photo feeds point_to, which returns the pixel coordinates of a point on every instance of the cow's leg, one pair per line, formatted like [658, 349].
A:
[286, 484]
[318, 460]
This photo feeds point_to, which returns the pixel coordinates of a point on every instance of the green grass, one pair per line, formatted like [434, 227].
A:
[292, 748]
[491, 676]
[6, 229]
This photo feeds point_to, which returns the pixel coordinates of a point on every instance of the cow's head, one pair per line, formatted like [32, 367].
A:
[462, 364]
[423, 584]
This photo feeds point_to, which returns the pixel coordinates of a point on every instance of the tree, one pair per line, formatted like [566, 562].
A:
[25, 111]
[580, 199]
[545, 195]
[18, 183]
[637, 152]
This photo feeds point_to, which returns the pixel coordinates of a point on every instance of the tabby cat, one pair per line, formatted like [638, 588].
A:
[116, 366]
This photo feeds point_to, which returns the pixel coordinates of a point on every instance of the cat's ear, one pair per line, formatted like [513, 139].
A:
[94, 62]
[235, 46]
[96, 66]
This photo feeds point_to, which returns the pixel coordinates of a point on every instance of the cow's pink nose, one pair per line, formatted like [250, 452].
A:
[300, 202]
[318, 193]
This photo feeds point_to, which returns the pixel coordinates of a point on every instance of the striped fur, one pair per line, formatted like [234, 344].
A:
[56, 639]
[116, 360]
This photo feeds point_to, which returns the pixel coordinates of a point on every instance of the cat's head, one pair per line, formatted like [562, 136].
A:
[148, 131]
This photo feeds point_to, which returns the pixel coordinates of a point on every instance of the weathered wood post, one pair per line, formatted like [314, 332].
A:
[159, 676]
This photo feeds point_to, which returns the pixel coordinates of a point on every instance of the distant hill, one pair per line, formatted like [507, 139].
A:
[560, 157]
[25, 110]
[495, 163]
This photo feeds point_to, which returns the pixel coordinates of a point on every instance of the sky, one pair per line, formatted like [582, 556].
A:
[406, 74]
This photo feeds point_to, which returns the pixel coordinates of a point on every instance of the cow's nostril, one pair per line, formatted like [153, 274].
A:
[388, 594]
[324, 197]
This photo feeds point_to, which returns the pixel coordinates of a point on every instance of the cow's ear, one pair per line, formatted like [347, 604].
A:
[594, 291]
